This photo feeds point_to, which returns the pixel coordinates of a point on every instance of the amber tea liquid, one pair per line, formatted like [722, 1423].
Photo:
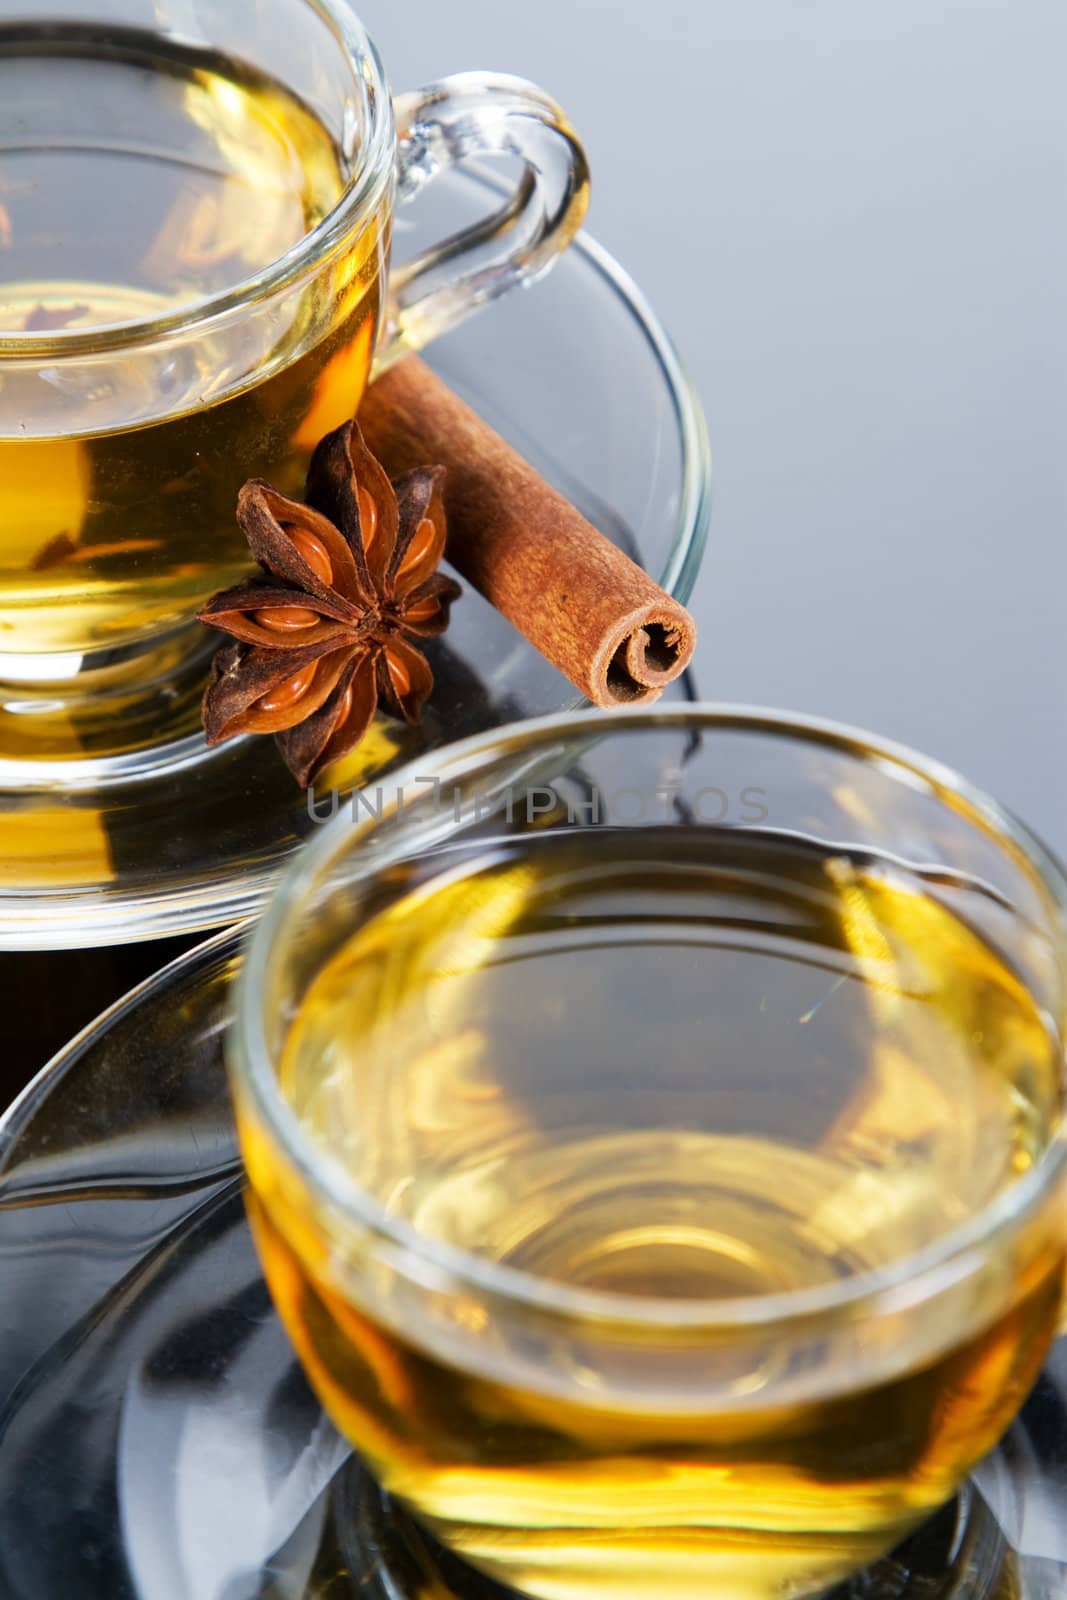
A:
[139, 178]
[652, 1066]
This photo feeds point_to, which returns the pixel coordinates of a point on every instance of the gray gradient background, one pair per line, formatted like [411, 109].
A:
[851, 216]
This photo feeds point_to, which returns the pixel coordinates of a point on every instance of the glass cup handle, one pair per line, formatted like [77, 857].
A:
[481, 114]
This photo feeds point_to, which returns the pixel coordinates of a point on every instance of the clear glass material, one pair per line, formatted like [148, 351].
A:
[204, 1469]
[98, 855]
[574, 1438]
[212, 335]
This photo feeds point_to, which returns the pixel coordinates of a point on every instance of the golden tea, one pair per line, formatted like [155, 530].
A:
[626, 1073]
[139, 180]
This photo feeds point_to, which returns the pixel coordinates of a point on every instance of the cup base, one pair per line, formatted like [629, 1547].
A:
[960, 1553]
[117, 710]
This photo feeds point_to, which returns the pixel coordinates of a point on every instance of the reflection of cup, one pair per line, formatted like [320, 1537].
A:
[654, 1127]
[195, 219]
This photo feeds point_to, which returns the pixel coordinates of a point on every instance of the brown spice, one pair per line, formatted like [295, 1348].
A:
[324, 635]
[575, 596]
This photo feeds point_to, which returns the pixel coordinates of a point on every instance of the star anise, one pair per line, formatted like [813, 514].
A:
[323, 636]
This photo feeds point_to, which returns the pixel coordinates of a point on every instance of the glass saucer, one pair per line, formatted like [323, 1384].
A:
[580, 376]
[157, 1439]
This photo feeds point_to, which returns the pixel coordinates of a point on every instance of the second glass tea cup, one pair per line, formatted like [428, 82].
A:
[654, 1132]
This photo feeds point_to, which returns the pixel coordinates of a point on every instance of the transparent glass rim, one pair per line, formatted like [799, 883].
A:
[373, 172]
[915, 1277]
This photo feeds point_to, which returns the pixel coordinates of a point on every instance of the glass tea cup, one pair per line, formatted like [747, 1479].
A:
[196, 215]
[653, 1124]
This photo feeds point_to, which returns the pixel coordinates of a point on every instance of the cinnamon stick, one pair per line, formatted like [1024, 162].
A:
[575, 596]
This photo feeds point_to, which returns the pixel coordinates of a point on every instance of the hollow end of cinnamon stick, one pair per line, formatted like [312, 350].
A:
[578, 599]
[644, 655]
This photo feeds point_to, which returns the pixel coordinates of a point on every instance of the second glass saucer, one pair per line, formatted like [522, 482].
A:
[157, 1438]
[579, 375]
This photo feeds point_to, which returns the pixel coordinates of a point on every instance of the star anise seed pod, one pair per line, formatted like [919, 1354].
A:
[323, 637]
